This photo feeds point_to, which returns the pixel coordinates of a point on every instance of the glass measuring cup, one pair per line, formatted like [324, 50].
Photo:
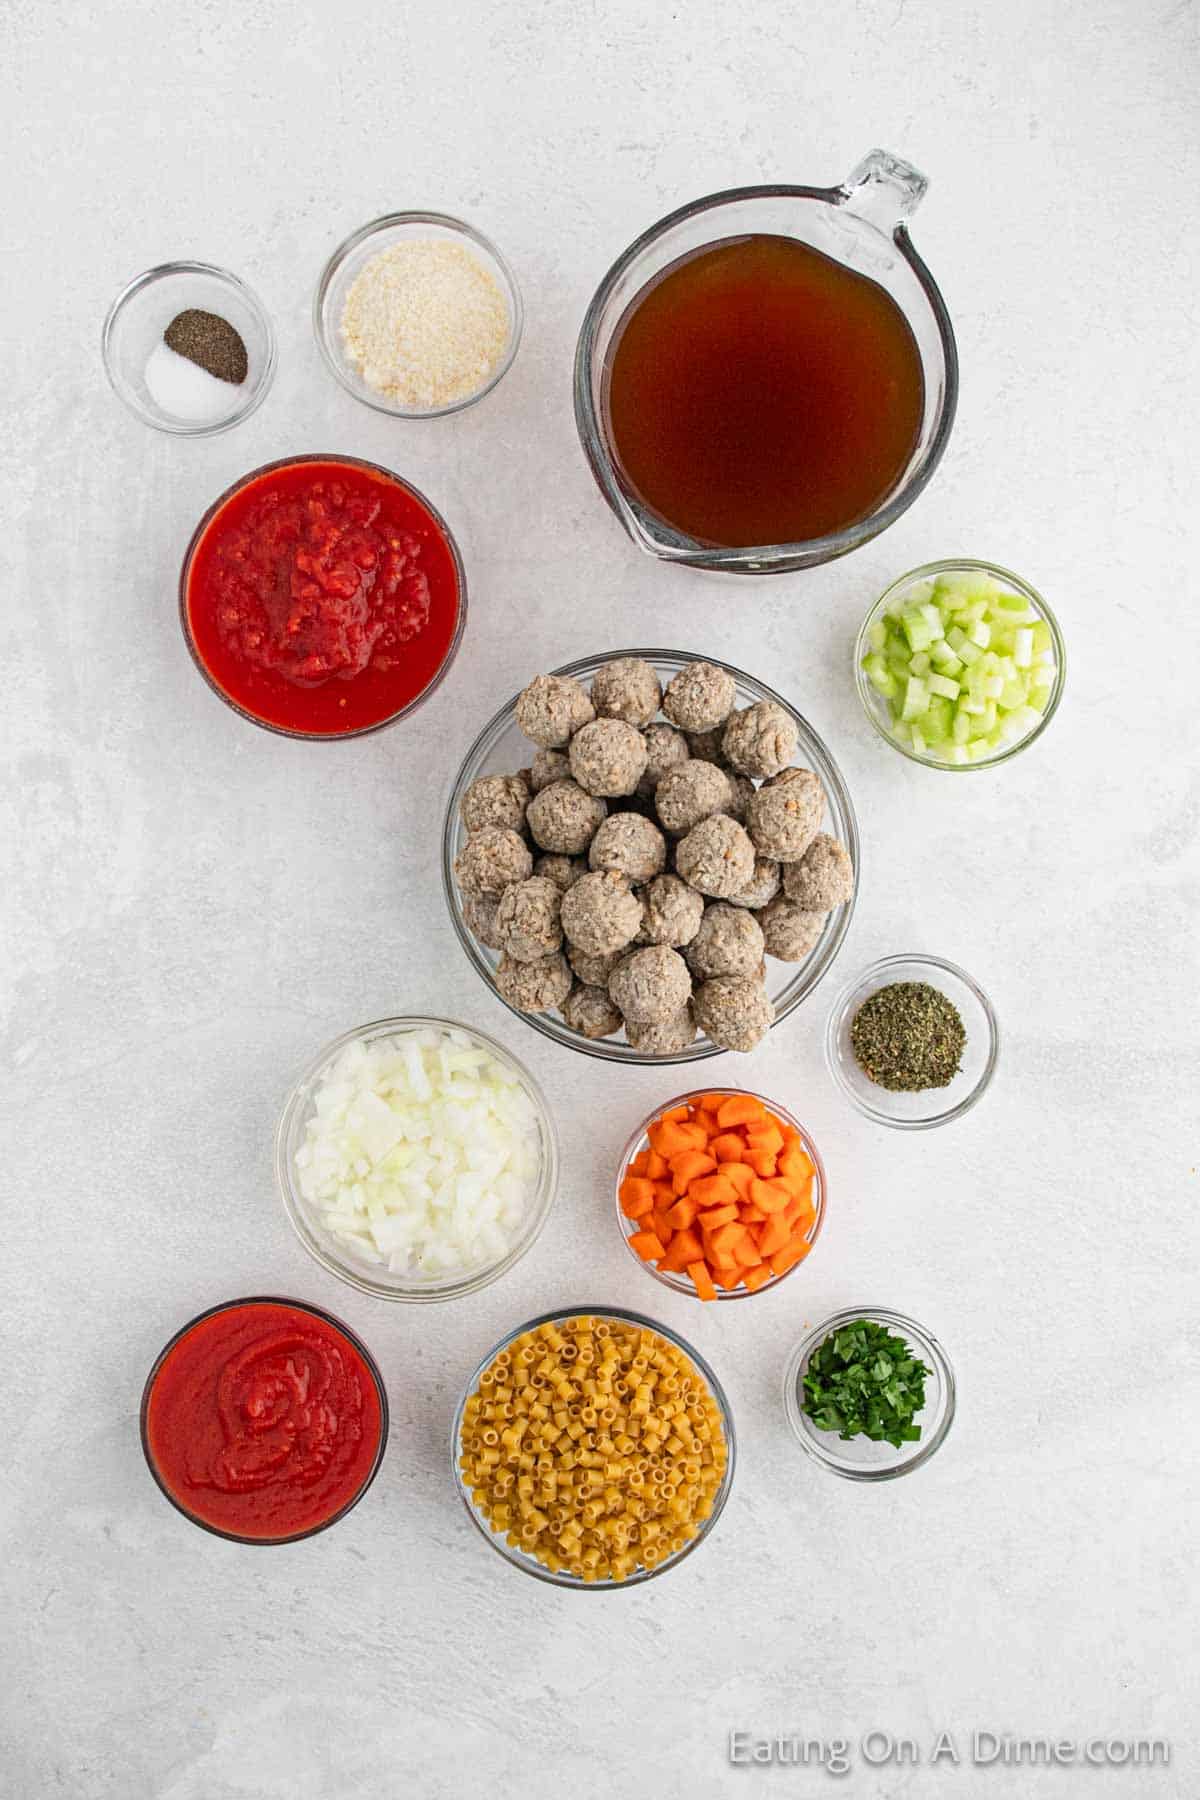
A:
[861, 224]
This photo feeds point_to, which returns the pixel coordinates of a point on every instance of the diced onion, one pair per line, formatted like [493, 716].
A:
[421, 1154]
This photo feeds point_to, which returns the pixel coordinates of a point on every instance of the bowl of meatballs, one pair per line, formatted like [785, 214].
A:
[651, 856]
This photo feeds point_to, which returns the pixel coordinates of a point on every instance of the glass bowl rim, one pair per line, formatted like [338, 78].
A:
[882, 966]
[947, 566]
[456, 227]
[681, 1284]
[527, 1564]
[414, 493]
[815, 550]
[806, 1433]
[148, 278]
[607, 1050]
[471, 1283]
[327, 1318]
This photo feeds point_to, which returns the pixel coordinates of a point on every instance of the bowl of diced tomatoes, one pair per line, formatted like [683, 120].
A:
[721, 1194]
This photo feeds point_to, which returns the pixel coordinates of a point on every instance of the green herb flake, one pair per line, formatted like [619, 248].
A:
[863, 1381]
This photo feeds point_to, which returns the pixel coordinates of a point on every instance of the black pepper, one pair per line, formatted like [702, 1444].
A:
[209, 341]
[908, 1037]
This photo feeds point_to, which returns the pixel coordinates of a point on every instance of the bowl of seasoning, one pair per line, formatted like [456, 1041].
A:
[322, 597]
[417, 314]
[633, 1481]
[869, 1394]
[912, 1042]
[189, 349]
[264, 1420]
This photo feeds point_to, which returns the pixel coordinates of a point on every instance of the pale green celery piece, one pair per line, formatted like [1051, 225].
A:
[969, 614]
[917, 630]
[957, 753]
[1042, 639]
[1039, 699]
[918, 593]
[939, 718]
[963, 585]
[942, 684]
[956, 637]
[1006, 668]
[1023, 649]
[961, 729]
[985, 723]
[919, 663]
[943, 658]
[918, 740]
[969, 652]
[932, 615]
[1026, 718]
[1042, 675]
[993, 687]
[980, 633]
[979, 750]
[877, 634]
[1015, 605]
[901, 732]
[973, 708]
[879, 675]
[1012, 694]
[916, 698]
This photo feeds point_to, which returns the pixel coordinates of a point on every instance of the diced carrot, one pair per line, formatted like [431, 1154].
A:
[762, 1164]
[702, 1280]
[668, 1136]
[740, 1109]
[757, 1277]
[664, 1193]
[740, 1175]
[727, 1278]
[708, 1121]
[695, 1134]
[687, 1166]
[639, 1164]
[662, 1227]
[683, 1212]
[711, 1103]
[767, 1137]
[789, 1256]
[774, 1234]
[748, 1254]
[637, 1196]
[727, 1146]
[656, 1166]
[647, 1245]
[713, 1190]
[684, 1248]
[768, 1196]
[795, 1163]
[726, 1238]
[677, 1113]
[751, 1215]
[715, 1216]
[799, 1214]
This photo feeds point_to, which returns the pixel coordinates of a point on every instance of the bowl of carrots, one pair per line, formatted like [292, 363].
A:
[721, 1194]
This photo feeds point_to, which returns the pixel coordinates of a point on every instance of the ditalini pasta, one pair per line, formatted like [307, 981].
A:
[593, 1445]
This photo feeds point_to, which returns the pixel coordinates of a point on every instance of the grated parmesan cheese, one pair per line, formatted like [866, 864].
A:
[425, 323]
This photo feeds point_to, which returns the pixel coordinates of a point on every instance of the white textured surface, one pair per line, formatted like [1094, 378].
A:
[192, 906]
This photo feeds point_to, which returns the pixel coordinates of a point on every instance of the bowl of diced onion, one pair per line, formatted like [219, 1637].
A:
[960, 664]
[416, 1159]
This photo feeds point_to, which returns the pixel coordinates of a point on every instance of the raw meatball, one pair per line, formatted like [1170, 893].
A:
[651, 984]
[762, 886]
[735, 1011]
[823, 878]
[743, 792]
[601, 913]
[705, 746]
[552, 708]
[527, 921]
[662, 1037]
[672, 912]
[761, 739]
[491, 859]
[716, 858]
[479, 915]
[495, 800]
[630, 844]
[729, 942]
[608, 757]
[534, 986]
[785, 815]
[593, 971]
[590, 1012]
[626, 689]
[789, 931]
[691, 792]
[700, 697]
[665, 748]
[548, 766]
[564, 819]
[563, 871]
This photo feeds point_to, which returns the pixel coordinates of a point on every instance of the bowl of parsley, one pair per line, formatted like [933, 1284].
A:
[869, 1394]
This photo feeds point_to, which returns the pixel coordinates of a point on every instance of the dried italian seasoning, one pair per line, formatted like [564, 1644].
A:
[908, 1037]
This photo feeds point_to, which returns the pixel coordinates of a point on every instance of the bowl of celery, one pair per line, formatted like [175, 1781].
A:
[960, 664]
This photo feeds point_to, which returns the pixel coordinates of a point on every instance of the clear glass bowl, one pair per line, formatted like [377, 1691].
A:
[501, 749]
[877, 708]
[859, 1458]
[328, 1318]
[683, 1284]
[402, 712]
[343, 267]
[338, 1258]
[932, 1106]
[520, 1559]
[141, 313]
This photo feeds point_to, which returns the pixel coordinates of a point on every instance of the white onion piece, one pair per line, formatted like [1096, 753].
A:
[421, 1154]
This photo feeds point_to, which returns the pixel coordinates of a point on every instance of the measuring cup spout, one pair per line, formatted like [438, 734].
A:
[883, 190]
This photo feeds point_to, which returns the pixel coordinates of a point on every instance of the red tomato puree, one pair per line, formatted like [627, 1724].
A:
[322, 597]
[263, 1420]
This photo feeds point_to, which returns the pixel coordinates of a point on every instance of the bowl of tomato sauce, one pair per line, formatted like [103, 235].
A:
[322, 597]
[264, 1420]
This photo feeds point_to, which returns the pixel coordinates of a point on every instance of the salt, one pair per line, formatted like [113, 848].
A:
[183, 390]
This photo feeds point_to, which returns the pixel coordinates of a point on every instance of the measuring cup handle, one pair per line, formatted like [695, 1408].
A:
[884, 190]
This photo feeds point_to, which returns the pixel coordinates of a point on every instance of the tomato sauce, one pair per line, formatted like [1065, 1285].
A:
[322, 596]
[263, 1420]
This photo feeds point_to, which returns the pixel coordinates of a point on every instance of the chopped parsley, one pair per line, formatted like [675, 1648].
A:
[865, 1382]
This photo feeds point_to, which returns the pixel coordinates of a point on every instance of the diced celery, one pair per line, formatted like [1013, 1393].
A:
[1039, 699]
[961, 729]
[1012, 694]
[1042, 676]
[943, 658]
[980, 633]
[933, 618]
[979, 750]
[916, 699]
[902, 732]
[880, 676]
[963, 585]
[993, 687]
[919, 593]
[969, 652]
[877, 634]
[972, 708]
[942, 684]
[1014, 605]
[1023, 648]
[1042, 640]
[956, 637]
[918, 740]
[919, 663]
[939, 719]
[957, 753]
[917, 629]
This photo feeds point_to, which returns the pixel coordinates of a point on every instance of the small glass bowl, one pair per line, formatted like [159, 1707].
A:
[877, 708]
[520, 1559]
[860, 1458]
[501, 749]
[338, 1258]
[343, 267]
[683, 1284]
[141, 313]
[402, 712]
[931, 1106]
[328, 1318]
